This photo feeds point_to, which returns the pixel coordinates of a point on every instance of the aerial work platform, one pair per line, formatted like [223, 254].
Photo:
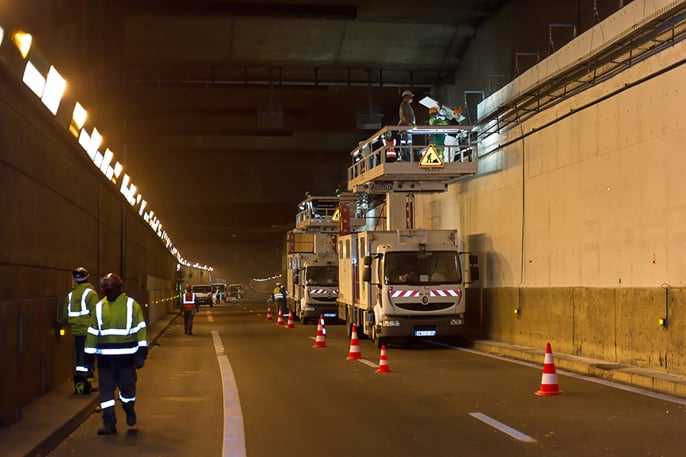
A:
[320, 214]
[387, 162]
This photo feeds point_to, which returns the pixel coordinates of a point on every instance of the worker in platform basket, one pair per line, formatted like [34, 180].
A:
[117, 335]
[78, 308]
[406, 117]
[279, 295]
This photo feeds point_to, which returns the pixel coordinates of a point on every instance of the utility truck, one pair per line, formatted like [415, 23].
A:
[312, 275]
[403, 284]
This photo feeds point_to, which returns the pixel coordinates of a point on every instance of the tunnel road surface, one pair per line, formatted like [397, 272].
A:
[277, 396]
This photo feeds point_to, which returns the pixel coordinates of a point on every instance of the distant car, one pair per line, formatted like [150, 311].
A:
[203, 294]
[236, 291]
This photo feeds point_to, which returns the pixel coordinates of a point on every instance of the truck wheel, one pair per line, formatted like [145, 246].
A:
[378, 341]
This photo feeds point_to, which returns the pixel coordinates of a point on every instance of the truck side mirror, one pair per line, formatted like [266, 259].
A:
[367, 261]
[366, 273]
[473, 273]
[296, 279]
[473, 259]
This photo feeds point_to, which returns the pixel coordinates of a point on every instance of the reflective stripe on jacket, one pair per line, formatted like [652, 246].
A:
[116, 328]
[188, 301]
[78, 307]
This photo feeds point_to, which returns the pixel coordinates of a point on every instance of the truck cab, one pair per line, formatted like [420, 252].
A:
[203, 294]
[317, 290]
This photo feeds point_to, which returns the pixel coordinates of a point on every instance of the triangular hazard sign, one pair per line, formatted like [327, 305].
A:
[431, 158]
[336, 215]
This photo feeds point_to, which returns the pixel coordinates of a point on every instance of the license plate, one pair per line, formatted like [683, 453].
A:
[425, 333]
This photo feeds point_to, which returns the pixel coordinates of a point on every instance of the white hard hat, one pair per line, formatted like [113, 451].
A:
[278, 284]
[407, 92]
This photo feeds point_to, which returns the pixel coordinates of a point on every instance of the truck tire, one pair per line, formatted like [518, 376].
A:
[378, 340]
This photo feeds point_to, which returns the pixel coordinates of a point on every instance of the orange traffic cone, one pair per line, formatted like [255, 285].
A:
[354, 353]
[320, 340]
[549, 378]
[269, 313]
[279, 318]
[383, 362]
[290, 319]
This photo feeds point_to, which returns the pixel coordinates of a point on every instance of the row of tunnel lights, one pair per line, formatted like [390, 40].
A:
[50, 89]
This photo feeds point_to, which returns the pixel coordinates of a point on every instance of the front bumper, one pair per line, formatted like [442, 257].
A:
[420, 326]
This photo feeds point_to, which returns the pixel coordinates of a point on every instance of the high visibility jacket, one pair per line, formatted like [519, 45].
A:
[188, 301]
[78, 307]
[391, 155]
[279, 293]
[117, 328]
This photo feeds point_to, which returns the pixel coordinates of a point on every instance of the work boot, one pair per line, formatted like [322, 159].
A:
[107, 430]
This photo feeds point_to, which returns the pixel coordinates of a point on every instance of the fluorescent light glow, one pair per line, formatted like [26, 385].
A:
[117, 171]
[96, 141]
[54, 89]
[84, 140]
[2, 35]
[33, 79]
[98, 159]
[128, 191]
[23, 42]
[79, 115]
[106, 160]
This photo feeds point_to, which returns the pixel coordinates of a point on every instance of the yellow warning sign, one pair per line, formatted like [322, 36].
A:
[336, 215]
[431, 158]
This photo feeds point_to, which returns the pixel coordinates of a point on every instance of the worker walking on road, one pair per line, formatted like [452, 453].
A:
[189, 310]
[117, 335]
[77, 312]
[279, 296]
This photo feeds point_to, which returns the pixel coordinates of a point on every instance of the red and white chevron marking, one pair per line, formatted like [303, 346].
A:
[411, 293]
[323, 291]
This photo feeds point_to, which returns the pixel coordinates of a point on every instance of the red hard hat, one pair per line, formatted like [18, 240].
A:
[109, 281]
[188, 287]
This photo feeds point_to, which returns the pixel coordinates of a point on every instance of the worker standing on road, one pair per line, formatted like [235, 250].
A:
[279, 295]
[77, 312]
[406, 116]
[118, 337]
[189, 310]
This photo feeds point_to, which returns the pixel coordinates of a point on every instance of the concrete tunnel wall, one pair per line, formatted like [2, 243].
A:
[59, 212]
[580, 221]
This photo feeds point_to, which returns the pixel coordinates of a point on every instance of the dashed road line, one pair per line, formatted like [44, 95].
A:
[519, 436]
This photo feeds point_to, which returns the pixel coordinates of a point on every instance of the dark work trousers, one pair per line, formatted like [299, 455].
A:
[116, 372]
[188, 321]
[281, 303]
[79, 344]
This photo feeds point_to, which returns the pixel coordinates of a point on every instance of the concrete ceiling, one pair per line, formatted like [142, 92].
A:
[236, 109]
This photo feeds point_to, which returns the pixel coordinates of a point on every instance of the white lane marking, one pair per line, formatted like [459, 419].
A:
[519, 436]
[234, 432]
[368, 363]
[604, 382]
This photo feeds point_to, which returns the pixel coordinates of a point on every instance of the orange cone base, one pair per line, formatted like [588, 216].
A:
[548, 392]
[354, 356]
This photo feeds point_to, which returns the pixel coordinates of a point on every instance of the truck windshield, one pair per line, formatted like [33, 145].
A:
[436, 267]
[205, 289]
[322, 276]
